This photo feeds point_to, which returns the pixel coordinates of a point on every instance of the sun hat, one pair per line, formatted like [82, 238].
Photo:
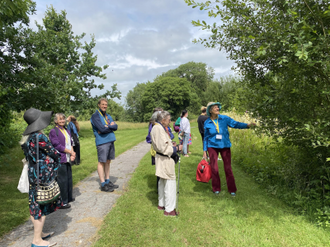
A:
[36, 120]
[209, 105]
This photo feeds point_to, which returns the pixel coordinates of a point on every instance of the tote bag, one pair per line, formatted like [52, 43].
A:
[203, 173]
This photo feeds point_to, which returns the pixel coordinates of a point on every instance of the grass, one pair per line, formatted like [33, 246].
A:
[251, 219]
[14, 205]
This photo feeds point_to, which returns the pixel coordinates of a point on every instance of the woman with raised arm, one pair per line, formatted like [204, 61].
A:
[216, 140]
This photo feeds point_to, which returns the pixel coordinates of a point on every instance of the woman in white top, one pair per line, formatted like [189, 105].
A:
[185, 128]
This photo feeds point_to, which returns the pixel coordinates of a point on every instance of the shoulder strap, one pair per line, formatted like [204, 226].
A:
[37, 160]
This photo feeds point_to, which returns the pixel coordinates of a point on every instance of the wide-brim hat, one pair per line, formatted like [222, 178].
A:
[36, 120]
[209, 105]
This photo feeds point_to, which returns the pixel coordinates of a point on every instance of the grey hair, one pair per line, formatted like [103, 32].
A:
[57, 116]
[162, 116]
[26, 137]
[153, 118]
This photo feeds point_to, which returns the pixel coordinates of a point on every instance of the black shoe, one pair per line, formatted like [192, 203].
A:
[66, 206]
[107, 188]
[112, 185]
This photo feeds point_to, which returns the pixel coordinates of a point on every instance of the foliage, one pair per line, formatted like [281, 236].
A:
[134, 107]
[198, 74]
[171, 93]
[281, 49]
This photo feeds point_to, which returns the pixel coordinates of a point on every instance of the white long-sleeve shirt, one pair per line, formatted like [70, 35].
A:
[185, 125]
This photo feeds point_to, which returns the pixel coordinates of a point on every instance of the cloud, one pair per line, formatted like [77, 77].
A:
[139, 39]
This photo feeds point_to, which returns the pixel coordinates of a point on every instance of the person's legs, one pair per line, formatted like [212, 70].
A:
[37, 231]
[226, 157]
[185, 143]
[62, 180]
[161, 193]
[107, 169]
[170, 195]
[216, 184]
[100, 171]
[69, 183]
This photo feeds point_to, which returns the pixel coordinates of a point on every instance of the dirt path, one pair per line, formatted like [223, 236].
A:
[78, 225]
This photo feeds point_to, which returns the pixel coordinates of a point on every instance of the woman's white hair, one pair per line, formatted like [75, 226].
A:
[162, 116]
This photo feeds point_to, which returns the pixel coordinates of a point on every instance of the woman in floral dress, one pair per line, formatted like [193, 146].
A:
[49, 162]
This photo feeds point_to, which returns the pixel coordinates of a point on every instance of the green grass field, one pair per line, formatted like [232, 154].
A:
[253, 218]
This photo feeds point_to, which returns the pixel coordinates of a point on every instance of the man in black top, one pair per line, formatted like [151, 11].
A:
[201, 119]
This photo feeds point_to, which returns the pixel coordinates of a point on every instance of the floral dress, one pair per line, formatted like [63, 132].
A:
[49, 162]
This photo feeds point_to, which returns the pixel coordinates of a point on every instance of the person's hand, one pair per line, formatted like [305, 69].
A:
[112, 123]
[106, 126]
[174, 143]
[72, 157]
[204, 155]
[180, 147]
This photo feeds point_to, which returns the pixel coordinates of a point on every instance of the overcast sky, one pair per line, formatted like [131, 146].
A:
[138, 39]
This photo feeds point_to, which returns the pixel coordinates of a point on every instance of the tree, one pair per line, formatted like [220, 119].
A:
[13, 20]
[198, 74]
[281, 49]
[63, 66]
[134, 106]
[171, 93]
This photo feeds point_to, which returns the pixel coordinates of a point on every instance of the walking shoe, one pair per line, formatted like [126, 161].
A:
[115, 186]
[233, 194]
[160, 208]
[172, 213]
[65, 206]
[107, 188]
[217, 192]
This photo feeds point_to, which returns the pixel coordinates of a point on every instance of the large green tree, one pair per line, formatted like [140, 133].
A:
[281, 49]
[173, 94]
[14, 18]
[65, 68]
[198, 74]
[134, 106]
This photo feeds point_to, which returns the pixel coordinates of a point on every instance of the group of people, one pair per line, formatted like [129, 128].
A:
[213, 128]
[58, 153]
[55, 155]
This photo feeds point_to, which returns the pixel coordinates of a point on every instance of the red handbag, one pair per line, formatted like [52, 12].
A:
[203, 173]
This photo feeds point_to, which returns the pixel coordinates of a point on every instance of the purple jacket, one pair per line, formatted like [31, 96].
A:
[59, 143]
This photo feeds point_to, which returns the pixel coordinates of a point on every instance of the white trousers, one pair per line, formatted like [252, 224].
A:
[167, 194]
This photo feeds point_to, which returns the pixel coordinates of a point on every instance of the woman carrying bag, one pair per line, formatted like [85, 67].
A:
[49, 162]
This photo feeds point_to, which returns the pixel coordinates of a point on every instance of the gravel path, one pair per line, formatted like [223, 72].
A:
[78, 225]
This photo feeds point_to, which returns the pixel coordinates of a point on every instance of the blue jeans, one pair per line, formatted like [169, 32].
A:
[185, 142]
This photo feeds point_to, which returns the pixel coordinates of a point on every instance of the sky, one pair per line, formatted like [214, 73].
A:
[138, 39]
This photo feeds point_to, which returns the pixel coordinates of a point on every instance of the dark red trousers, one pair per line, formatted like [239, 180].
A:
[226, 157]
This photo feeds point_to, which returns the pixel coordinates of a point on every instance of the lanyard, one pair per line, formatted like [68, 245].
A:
[65, 134]
[105, 118]
[216, 125]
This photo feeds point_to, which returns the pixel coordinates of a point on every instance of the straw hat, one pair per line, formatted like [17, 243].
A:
[36, 120]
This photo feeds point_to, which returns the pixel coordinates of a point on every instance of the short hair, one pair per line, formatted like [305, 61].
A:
[102, 99]
[57, 116]
[203, 109]
[162, 115]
